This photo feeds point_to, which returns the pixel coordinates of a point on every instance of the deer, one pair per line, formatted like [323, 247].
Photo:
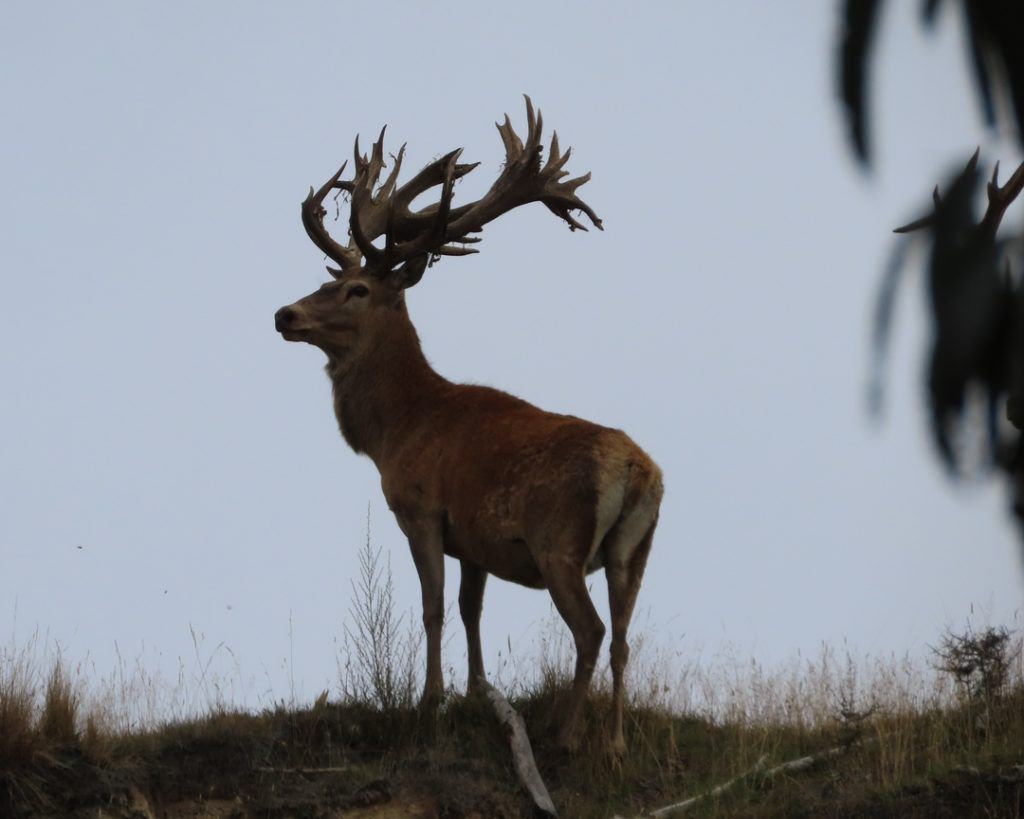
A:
[470, 472]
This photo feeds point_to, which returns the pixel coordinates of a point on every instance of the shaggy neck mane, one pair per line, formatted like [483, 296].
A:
[381, 391]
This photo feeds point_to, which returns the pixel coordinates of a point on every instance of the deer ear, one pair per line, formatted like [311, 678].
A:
[409, 273]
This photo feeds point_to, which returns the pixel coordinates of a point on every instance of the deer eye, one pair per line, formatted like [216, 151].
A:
[358, 291]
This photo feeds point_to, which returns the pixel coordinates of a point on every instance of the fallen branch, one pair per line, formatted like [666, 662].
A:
[801, 764]
[522, 753]
[679, 807]
[992, 777]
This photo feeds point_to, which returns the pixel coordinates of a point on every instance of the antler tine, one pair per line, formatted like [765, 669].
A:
[457, 246]
[313, 213]
[534, 124]
[556, 161]
[389, 184]
[531, 119]
[454, 250]
[359, 159]
[444, 207]
[362, 198]
[375, 164]
[513, 145]
[567, 201]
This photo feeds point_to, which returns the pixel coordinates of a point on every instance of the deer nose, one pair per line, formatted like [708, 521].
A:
[284, 318]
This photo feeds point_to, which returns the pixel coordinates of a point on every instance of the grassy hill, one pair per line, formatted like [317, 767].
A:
[905, 756]
[352, 760]
[828, 736]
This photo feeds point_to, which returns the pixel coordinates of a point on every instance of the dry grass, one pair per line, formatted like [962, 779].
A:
[58, 723]
[908, 728]
[920, 738]
[18, 734]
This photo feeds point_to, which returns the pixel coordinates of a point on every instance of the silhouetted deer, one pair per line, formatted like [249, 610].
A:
[507, 489]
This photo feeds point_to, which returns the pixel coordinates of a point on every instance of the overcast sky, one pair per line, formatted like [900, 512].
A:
[168, 461]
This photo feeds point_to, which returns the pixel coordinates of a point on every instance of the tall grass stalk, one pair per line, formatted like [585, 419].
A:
[380, 662]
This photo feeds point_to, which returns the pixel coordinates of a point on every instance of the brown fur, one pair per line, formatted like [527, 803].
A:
[507, 489]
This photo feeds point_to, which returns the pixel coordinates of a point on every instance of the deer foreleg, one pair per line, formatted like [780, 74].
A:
[471, 603]
[428, 554]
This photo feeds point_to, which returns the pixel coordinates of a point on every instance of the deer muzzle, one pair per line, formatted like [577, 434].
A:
[287, 321]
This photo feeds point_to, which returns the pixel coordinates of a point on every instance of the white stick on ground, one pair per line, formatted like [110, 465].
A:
[522, 753]
[800, 764]
[679, 807]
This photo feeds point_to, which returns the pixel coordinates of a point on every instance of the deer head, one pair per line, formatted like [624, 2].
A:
[369, 281]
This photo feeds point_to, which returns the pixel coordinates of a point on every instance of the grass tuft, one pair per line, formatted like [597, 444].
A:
[18, 737]
[58, 722]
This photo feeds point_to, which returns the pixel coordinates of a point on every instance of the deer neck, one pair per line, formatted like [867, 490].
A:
[382, 388]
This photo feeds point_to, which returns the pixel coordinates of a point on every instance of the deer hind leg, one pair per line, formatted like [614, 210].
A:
[471, 603]
[626, 558]
[567, 584]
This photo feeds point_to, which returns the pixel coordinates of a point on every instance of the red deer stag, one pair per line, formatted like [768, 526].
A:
[507, 489]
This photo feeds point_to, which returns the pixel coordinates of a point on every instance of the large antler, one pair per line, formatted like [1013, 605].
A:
[439, 229]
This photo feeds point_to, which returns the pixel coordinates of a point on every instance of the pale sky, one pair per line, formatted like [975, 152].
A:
[168, 461]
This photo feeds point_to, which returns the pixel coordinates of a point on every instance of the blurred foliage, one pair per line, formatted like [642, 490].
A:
[993, 29]
[975, 371]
